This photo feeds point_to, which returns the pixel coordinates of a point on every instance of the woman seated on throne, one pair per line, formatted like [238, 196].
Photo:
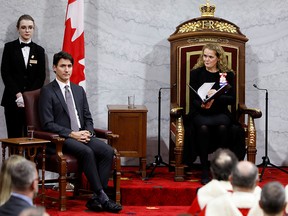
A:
[207, 126]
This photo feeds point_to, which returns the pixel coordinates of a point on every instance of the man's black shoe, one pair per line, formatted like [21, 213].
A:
[94, 205]
[111, 206]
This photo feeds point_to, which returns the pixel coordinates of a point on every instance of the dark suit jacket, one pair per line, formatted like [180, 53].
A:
[13, 206]
[53, 111]
[15, 75]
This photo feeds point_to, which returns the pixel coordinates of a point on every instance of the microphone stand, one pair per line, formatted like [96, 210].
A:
[158, 158]
[266, 160]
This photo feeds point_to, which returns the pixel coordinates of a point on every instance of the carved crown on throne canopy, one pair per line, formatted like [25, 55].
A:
[185, 47]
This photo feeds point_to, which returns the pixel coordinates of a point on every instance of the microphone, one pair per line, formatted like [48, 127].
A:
[255, 86]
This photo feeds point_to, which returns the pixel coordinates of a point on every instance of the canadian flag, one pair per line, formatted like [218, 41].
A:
[73, 42]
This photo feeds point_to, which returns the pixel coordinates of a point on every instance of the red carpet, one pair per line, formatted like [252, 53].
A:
[159, 195]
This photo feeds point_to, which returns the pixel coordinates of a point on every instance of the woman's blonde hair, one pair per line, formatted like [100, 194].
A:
[5, 176]
[222, 64]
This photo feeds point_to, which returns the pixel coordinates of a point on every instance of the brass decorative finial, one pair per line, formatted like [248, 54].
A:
[207, 9]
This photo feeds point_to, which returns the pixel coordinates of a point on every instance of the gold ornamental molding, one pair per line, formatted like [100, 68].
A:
[208, 24]
[208, 40]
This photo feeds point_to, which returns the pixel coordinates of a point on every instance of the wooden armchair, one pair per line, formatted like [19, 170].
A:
[65, 164]
[186, 45]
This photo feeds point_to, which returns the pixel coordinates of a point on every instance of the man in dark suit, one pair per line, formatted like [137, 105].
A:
[24, 179]
[72, 120]
[22, 69]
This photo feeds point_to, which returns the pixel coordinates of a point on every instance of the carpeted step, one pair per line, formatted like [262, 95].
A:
[158, 195]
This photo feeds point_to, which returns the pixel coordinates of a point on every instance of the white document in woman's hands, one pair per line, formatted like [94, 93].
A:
[203, 90]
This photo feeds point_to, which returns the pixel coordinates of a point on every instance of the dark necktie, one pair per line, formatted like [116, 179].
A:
[25, 44]
[69, 102]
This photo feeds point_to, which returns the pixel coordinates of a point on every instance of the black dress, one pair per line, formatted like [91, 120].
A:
[208, 129]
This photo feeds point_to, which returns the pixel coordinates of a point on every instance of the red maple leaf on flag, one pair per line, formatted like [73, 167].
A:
[73, 42]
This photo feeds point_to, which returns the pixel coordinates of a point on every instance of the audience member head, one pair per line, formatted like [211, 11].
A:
[273, 199]
[222, 164]
[24, 178]
[5, 177]
[244, 177]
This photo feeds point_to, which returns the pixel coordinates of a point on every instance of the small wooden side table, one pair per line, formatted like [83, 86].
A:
[131, 125]
[29, 146]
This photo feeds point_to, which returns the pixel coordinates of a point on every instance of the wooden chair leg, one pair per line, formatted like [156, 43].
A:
[178, 150]
[62, 186]
[117, 178]
[62, 167]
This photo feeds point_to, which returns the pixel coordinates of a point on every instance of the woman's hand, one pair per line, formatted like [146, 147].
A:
[211, 92]
[207, 105]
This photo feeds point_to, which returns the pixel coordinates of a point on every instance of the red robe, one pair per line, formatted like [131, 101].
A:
[236, 204]
[209, 192]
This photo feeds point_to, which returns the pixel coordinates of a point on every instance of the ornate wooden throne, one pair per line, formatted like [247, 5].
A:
[186, 45]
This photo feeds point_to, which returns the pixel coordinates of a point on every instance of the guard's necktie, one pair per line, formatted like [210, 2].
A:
[25, 44]
[69, 102]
